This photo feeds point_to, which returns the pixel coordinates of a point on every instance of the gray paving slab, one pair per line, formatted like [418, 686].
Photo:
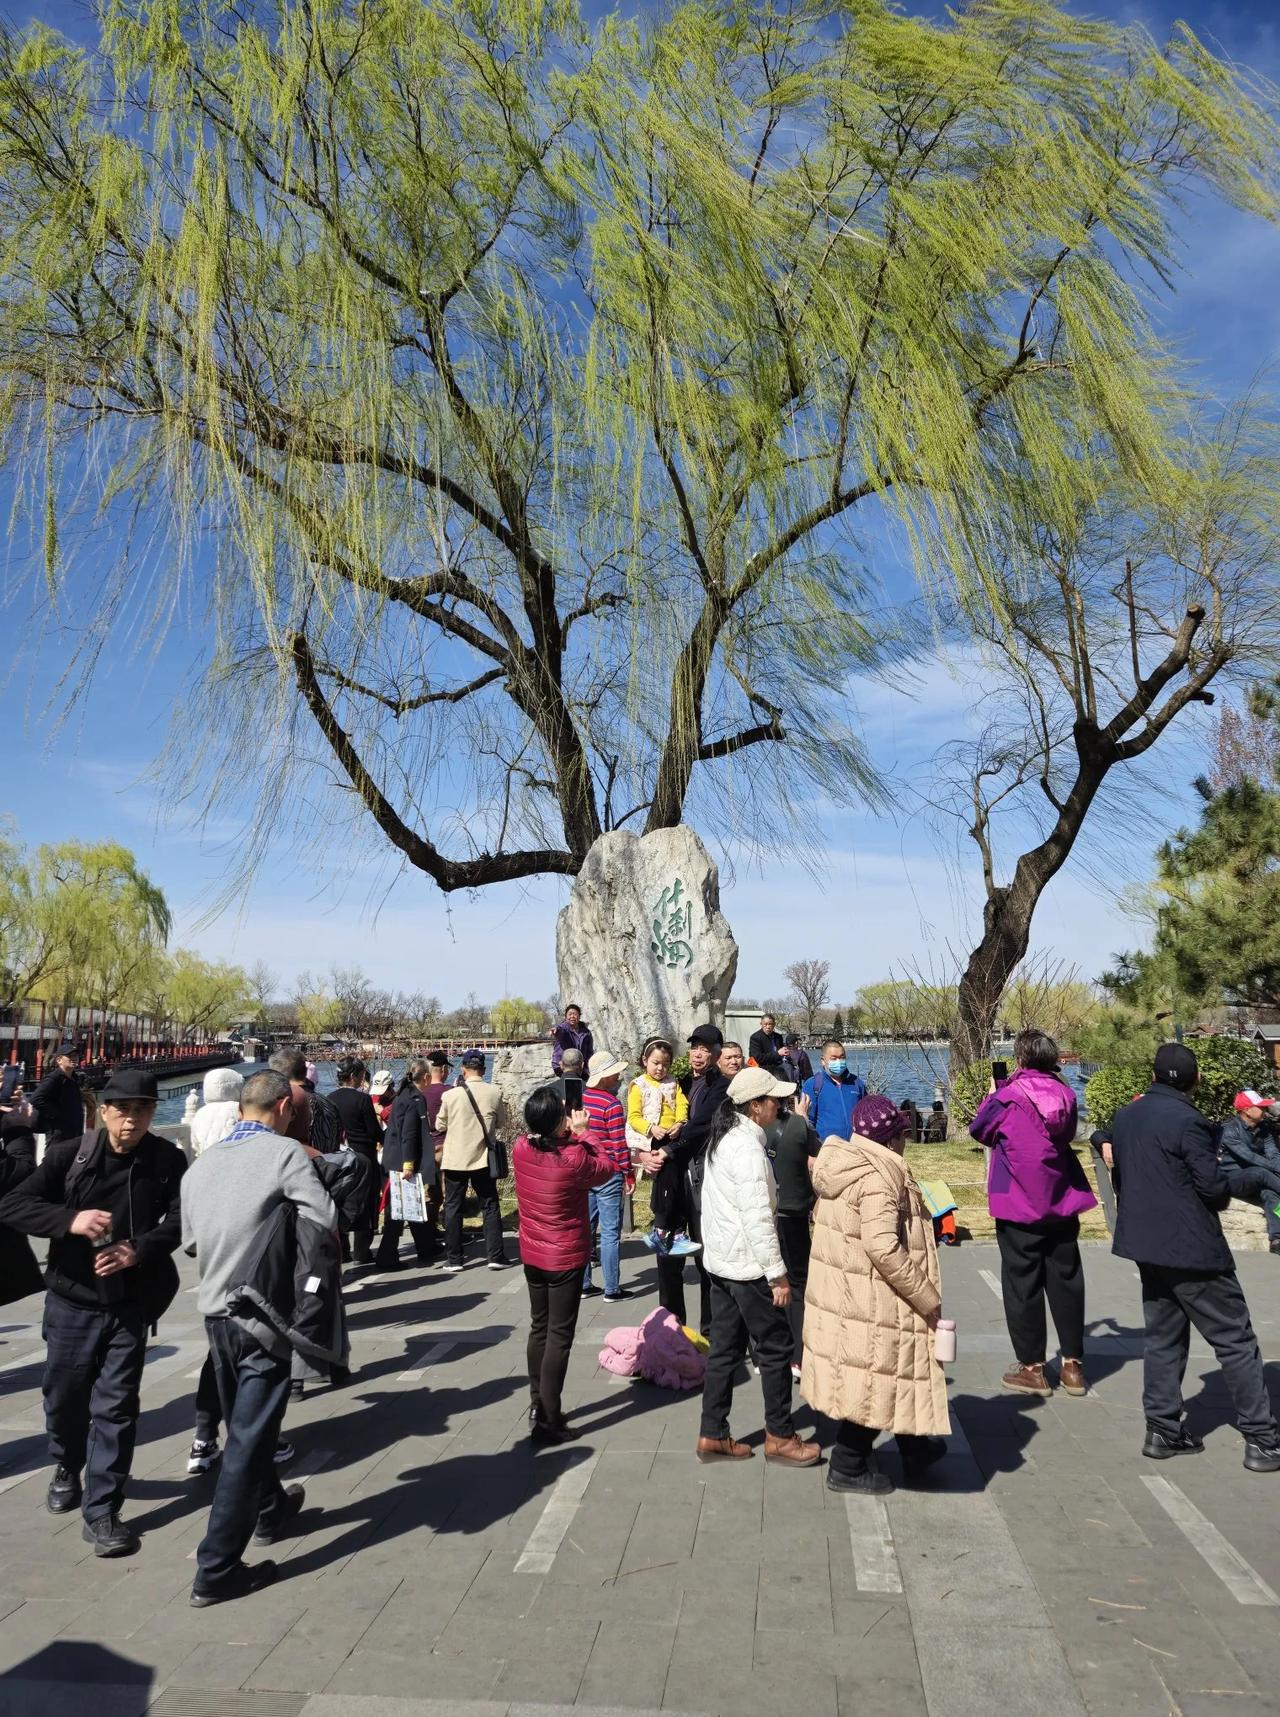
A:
[674, 1587]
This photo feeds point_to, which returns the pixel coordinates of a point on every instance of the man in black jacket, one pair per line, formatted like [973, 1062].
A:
[705, 1087]
[19, 1272]
[57, 1101]
[765, 1047]
[1170, 1189]
[108, 1203]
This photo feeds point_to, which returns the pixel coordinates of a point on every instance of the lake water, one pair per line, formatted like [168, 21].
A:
[899, 1071]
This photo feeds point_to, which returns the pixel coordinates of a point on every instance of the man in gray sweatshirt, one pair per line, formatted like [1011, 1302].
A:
[227, 1193]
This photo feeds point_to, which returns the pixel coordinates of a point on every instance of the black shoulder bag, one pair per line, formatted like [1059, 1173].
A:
[495, 1147]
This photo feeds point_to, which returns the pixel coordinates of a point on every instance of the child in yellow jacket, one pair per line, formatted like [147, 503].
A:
[657, 1110]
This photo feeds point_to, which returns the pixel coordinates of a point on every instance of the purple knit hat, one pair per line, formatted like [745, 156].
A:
[880, 1118]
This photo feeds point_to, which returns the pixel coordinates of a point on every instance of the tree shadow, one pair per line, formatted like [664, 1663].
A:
[1212, 1408]
[366, 1314]
[458, 1494]
[37, 1687]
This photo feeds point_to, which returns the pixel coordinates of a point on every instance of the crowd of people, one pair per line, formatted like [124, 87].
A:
[783, 1186]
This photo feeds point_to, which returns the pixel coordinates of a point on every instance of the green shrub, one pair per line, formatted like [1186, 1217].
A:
[1227, 1065]
[1111, 1088]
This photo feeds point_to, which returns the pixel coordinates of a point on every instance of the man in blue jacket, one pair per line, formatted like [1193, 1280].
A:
[1170, 1188]
[834, 1093]
[1250, 1157]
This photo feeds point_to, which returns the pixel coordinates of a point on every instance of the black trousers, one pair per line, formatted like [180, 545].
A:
[671, 1277]
[253, 1388]
[848, 1456]
[426, 1235]
[1039, 1262]
[1173, 1300]
[455, 1196]
[743, 1314]
[1260, 1186]
[795, 1238]
[92, 1379]
[554, 1298]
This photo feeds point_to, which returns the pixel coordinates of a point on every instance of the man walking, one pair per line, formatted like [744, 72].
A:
[57, 1101]
[1250, 1157]
[834, 1093]
[571, 1033]
[471, 1117]
[108, 1203]
[608, 1135]
[230, 1191]
[1170, 1188]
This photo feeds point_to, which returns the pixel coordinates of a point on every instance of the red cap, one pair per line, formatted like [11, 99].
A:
[1251, 1100]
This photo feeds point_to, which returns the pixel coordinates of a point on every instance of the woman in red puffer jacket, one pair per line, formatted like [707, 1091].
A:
[555, 1166]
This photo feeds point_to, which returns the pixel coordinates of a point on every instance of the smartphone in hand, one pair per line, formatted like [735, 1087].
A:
[999, 1070]
[572, 1094]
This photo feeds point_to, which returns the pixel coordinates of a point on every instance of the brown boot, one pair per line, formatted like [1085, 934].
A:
[722, 1449]
[791, 1451]
[1071, 1377]
[1027, 1380]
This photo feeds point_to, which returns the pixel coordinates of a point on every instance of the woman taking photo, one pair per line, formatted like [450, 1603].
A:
[555, 1166]
[872, 1304]
[1036, 1189]
[749, 1289]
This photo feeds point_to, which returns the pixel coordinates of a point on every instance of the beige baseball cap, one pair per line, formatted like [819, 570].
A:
[755, 1082]
[603, 1066]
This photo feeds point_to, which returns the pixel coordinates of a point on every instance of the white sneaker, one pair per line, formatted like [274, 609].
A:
[202, 1456]
[453, 1269]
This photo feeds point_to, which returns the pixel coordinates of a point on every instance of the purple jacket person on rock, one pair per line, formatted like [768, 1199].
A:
[1029, 1121]
[571, 1033]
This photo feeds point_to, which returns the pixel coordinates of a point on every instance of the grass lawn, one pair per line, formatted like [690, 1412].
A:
[960, 1163]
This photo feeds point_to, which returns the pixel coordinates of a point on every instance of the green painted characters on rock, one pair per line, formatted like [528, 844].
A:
[671, 927]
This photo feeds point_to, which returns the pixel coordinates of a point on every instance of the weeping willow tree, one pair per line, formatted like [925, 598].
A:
[522, 394]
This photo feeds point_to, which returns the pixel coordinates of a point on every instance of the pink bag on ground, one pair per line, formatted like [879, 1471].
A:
[658, 1351]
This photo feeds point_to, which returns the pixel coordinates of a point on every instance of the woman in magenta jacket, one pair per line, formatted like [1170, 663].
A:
[555, 1166]
[1036, 1189]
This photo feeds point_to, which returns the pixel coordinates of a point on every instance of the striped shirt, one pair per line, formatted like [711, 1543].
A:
[608, 1129]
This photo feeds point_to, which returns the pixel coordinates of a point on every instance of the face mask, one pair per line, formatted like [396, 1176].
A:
[837, 1067]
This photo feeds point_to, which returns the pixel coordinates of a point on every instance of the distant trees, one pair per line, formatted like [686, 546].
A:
[810, 989]
[83, 927]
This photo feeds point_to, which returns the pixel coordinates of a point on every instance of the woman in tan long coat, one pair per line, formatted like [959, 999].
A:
[872, 1303]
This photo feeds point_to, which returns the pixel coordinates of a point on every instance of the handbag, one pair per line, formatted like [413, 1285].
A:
[497, 1164]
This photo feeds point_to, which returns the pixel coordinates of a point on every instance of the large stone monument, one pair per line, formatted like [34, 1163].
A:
[642, 944]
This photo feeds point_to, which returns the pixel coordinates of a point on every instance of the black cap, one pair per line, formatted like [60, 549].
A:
[711, 1035]
[474, 1058]
[130, 1085]
[1175, 1065]
[65, 1049]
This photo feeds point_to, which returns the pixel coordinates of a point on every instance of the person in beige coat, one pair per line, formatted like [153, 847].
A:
[470, 1114]
[871, 1305]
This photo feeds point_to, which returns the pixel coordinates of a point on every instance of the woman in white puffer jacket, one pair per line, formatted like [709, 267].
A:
[749, 1289]
[221, 1110]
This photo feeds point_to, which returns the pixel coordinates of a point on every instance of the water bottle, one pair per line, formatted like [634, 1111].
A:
[944, 1341]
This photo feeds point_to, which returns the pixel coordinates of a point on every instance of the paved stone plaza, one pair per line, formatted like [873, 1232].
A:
[442, 1567]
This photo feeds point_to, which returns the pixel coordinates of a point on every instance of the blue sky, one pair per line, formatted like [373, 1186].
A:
[892, 893]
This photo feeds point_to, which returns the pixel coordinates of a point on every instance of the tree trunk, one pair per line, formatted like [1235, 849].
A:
[1006, 933]
[1007, 915]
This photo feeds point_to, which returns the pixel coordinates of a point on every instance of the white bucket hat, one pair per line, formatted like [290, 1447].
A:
[755, 1082]
[603, 1066]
